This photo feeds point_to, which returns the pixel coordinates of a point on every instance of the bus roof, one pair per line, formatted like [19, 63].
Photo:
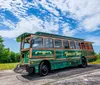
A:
[18, 39]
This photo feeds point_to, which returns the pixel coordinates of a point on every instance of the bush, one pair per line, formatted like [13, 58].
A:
[98, 56]
[7, 56]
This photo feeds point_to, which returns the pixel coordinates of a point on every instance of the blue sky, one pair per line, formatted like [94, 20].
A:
[76, 18]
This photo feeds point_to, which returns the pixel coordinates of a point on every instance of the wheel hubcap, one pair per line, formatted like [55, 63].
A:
[44, 70]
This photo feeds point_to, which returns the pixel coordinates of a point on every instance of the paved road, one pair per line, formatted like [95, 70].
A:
[87, 78]
[11, 78]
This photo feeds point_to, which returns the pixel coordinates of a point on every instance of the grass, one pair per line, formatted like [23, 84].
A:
[96, 62]
[7, 66]
[10, 66]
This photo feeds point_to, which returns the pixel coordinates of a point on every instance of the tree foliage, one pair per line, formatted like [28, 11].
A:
[7, 56]
[98, 56]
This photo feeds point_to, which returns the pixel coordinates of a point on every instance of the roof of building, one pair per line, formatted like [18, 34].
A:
[45, 34]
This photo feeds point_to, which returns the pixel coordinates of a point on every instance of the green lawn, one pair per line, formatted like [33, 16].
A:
[96, 62]
[6, 66]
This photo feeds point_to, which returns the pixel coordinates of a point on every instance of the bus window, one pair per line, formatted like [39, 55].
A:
[65, 44]
[77, 45]
[37, 42]
[83, 46]
[58, 44]
[87, 46]
[27, 43]
[72, 44]
[48, 43]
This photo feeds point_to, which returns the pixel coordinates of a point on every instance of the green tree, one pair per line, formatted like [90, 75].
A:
[7, 56]
[17, 57]
[12, 57]
[1, 48]
[1, 40]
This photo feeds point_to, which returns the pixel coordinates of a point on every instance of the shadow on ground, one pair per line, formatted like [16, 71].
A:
[60, 73]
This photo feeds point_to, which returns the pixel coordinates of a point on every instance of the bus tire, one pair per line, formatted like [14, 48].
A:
[43, 69]
[84, 62]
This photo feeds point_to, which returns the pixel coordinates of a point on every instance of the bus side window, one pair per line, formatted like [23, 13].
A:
[58, 44]
[78, 45]
[72, 44]
[37, 42]
[48, 43]
[87, 46]
[83, 46]
[66, 44]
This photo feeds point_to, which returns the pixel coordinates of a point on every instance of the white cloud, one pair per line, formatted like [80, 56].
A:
[80, 9]
[13, 6]
[30, 24]
[48, 6]
[95, 39]
[26, 24]
[66, 30]
[8, 23]
[17, 7]
[86, 11]
[91, 23]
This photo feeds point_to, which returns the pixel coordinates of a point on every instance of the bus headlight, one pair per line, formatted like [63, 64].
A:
[31, 62]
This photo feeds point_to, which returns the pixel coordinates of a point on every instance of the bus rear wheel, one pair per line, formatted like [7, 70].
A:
[84, 63]
[43, 69]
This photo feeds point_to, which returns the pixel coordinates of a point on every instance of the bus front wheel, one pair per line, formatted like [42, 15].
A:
[84, 62]
[43, 69]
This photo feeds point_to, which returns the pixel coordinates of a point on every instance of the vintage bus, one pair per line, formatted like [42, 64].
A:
[42, 52]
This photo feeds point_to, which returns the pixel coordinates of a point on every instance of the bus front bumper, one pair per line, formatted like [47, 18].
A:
[22, 69]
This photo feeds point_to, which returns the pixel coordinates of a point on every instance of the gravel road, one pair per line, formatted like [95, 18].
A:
[64, 76]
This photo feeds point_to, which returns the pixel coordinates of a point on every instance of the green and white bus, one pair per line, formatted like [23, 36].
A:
[42, 52]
